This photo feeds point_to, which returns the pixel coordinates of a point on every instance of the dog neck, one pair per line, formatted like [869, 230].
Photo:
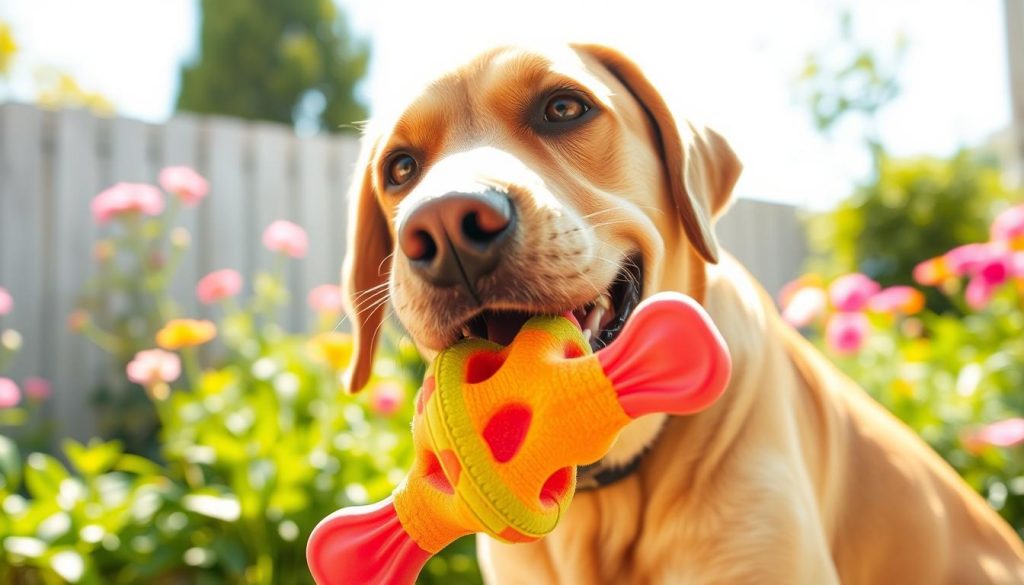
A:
[626, 455]
[723, 292]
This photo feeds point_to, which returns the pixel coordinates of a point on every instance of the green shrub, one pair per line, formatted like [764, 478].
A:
[954, 377]
[916, 208]
[255, 441]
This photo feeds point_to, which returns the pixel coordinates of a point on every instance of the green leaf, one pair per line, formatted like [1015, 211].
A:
[289, 500]
[138, 465]
[10, 465]
[12, 417]
[94, 459]
[231, 553]
[44, 475]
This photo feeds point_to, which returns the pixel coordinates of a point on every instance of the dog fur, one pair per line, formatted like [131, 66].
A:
[795, 476]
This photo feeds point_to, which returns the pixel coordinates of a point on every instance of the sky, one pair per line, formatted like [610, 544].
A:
[729, 64]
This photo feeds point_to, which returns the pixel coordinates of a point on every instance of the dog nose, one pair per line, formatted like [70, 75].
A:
[457, 236]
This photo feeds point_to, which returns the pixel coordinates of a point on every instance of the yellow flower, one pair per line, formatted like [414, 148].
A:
[902, 388]
[7, 47]
[332, 348]
[179, 333]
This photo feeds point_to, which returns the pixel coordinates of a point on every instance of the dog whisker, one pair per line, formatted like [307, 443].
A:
[370, 307]
[360, 310]
[369, 302]
[383, 260]
[607, 223]
[384, 319]
[367, 291]
[599, 212]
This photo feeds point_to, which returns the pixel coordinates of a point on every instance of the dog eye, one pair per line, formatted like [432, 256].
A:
[564, 108]
[400, 169]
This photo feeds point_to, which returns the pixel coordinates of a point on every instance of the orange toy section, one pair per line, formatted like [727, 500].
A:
[499, 432]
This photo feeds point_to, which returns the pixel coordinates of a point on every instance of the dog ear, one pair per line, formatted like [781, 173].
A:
[701, 167]
[364, 273]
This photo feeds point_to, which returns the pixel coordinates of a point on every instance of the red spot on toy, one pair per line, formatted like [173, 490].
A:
[434, 473]
[506, 430]
[573, 350]
[513, 535]
[556, 486]
[482, 366]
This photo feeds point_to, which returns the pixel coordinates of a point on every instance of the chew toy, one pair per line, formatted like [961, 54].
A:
[499, 432]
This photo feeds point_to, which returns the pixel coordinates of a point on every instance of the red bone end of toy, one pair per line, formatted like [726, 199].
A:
[364, 545]
[668, 358]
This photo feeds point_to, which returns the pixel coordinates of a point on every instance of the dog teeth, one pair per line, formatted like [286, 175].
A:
[594, 315]
[465, 331]
[593, 320]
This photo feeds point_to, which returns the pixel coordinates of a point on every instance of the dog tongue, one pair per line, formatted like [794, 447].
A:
[503, 327]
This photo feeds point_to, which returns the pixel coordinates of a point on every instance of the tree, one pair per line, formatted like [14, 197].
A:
[908, 209]
[290, 61]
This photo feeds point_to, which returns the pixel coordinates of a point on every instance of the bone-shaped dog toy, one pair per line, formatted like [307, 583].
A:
[498, 433]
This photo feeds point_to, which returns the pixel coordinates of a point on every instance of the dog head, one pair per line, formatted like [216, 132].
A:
[529, 182]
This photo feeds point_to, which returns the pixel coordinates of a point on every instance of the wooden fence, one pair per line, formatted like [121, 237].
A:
[53, 163]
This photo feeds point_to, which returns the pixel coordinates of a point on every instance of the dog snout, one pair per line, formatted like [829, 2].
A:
[457, 237]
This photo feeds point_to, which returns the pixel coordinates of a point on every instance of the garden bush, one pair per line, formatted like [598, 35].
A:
[239, 440]
[913, 208]
[955, 377]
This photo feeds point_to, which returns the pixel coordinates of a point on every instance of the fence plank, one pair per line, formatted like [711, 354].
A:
[226, 238]
[274, 192]
[179, 146]
[76, 180]
[317, 215]
[344, 169]
[129, 152]
[767, 238]
[24, 207]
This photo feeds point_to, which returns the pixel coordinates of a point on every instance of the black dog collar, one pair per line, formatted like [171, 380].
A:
[600, 474]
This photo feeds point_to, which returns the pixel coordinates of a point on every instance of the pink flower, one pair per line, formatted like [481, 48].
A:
[218, 285]
[852, 291]
[845, 333]
[978, 293]
[966, 259]
[791, 287]
[989, 275]
[326, 298]
[804, 306]
[1017, 261]
[126, 198]
[184, 182]
[6, 302]
[37, 389]
[387, 398]
[9, 393]
[897, 299]
[1009, 225]
[153, 366]
[1005, 433]
[287, 238]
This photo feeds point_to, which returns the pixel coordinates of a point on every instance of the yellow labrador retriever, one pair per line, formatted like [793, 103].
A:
[532, 182]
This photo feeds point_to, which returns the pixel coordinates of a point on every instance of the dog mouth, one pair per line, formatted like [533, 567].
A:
[601, 319]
